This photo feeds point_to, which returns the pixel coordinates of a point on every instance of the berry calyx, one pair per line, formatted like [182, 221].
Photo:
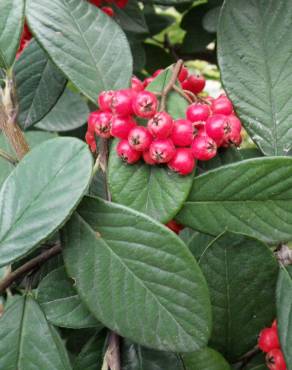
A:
[145, 104]
[275, 360]
[198, 112]
[160, 126]
[127, 153]
[204, 148]
[121, 126]
[100, 123]
[174, 226]
[162, 150]
[182, 162]
[140, 138]
[268, 339]
[182, 133]
[222, 105]
[121, 103]
[105, 99]
[195, 84]
[217, 128]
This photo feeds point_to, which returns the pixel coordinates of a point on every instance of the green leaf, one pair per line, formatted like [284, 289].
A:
[156, 57]
[156, 22]
[284, 312]
[205, 359]
[211, 19]
[257, 363]
[254, 52]
[39, 84]
[91, 355]
[241, 273]
[27, 341]
[136, 271]
[61, 303]
[11, 24]
[40, 194]
[253, 197]
[70, 112]
[131, 18]
[88, 46]
[196, 241]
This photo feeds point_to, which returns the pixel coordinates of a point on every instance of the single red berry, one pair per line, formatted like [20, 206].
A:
[160, 126]
[127, 153]
[148, 81]
[234, 123]
[182, 162]
[195, 84]
[136, 84]
[182, 133]
[96, 2]
[121, 103]
[157, 73]
[162, 150]
[108, 10]
[198, 112]
[217, 128]
[174, 226]
[90, 140]
[268, 339]
[147, 158]
[234, 131]
[275, 360]
[204, 148]
[222, 105]
[121, 3]
[140, 138]
[145, 104]
[92, 119]
[103, 124]
[121, 126]
[105, 99]
[183, 74]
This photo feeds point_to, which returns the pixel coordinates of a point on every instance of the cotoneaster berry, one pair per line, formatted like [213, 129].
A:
[90, 140]
[121, 103]
[183, 74]
[174, 226]
[121, 126]
[103, 125]
[148, 159]
[145, 104]
[162, 150]
[217, 128]
[198, 112]
[136, 84]
[222, 105]
[108, 10]
[140, 138]
[275, 360]
[182, 132]
[161, 125]
[195, 84]
[268, 339]
[203, 148]
[182, 162]
[105, 100]
[127, 153]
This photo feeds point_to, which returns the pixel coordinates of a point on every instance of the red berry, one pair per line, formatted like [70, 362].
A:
[137, 84]
[198, 112]
[222, 105]
[182, 162]
[147, 158]
[121, 126]
[145, 104]
[103, 124]
[92, 118]
[217, 128]
[126, 153]
[108, 10]
[234, 123]
[182, 132]
[96, 2]
[183, 74]
[174, 226]
[105, 99]
[195, 84]
[160, 126]
[90, 140]
[157, 73]
[162, 150]
[234, 131]
[140, 138]
[268, 339]
[275, 360]
[121, 3]
[121, 103]
[204, 148]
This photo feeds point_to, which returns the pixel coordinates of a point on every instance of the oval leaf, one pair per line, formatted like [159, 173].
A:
[120, 276]
[27, 341]
[253, 197]
[88, 46]
[205, 359]
[40, 194]
[61, 303]
[254, 51]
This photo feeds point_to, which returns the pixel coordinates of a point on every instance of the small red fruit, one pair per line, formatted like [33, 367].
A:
[105, 99]
[126, 153]
[121, 3]
[204, 148]
[108, 10]
[147, 158]
[198, 112]
[145, 104]
[136, 84]
[160, 126]
[195, 84]
[217, 128]
[121, 126]
[103, 124]
[162, 150]
[275, 360]
[182, 162]
[121, 103]
[174, 226]
[90, 140]
[268, 339]
[222, 105]
[182, 132]
[183, 74]
[140, 138]
[92, 118]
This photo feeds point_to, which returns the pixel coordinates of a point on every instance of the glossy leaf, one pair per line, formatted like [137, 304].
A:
[27, 341]
[284, 312]
[85, 44]
[241, 273]
[122, 281]
[70, 112]
[32, 210]
[255, 62]
[205, 359]
[61, 303]
[11, 24]
[253, 197]
[39, 84]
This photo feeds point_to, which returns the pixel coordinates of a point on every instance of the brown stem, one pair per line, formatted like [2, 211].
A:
[112, 355]
[29, 266]
[8, 157]
[182, 93]
[248, 356]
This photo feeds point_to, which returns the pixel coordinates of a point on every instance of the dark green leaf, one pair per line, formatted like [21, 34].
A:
[241, 273]
[257, 363]
[40, 194]
[196, 241]
[253, 197]
[211, 19]
[131, 18]
[255, 58]
[61, 303]
[205, 359]
[27, 341]
[138, 52]
[39, 84]
[91, 355]
[88, 46]
[156, 22]
[156, 58]
[123, 281]
[284, 312]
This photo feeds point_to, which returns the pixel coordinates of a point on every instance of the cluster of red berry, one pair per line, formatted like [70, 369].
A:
[104, 5]
[25, 38]
[269, 343]
[208, 125]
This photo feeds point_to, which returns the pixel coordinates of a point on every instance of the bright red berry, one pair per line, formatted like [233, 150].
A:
[162, 150]
[217, 128]
[121, 3]
[140, 138]
[127, 153]
[160, 126]
[92, 118]
[204, 148]
[182, 162]
[174, 226]
[234, 131]
[183, 74]
[108, 10]
[222, 105]
[145, 104]
[103, 124]
[195, 84]
[136, 84]
[121, 126]
[268, 339]
[147, 158]
[182, 132]
[234, 123]
[90, 140]
[198, 112]
[275, 360]
[121, 103]
[105, 99]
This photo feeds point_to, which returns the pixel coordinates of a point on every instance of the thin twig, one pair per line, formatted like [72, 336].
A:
[29, 266]
[248, 356]
[182, 93]
[112, 356]
[8, 157]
